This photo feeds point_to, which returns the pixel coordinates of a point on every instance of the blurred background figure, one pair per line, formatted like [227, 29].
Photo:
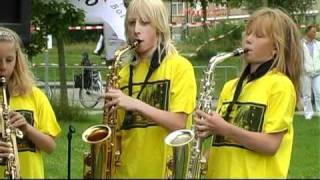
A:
[100, 46]
[310, 81]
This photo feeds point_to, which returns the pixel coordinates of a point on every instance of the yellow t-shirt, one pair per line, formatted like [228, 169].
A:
[171, 87]
[265, 105]
[38, 112]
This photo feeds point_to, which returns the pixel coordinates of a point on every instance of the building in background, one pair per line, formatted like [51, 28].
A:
[183, 16]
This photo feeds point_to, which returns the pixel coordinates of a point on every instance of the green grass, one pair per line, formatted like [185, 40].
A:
[72, 59]
[305, 160]
[72, 54]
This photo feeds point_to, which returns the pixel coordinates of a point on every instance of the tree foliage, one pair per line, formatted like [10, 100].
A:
[54, 17]
[51, 17]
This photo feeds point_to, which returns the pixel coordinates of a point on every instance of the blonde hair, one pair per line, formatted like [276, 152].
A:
[156, 13]
[283, 32]
[21, 80]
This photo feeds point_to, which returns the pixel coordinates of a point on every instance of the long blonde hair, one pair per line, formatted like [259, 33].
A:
[156, 13]
[285, 35]
[21, 80]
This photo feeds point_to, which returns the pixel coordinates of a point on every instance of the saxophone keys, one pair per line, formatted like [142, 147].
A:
[117, 161]
[11, 156]
[19, 134]
[170, 164]
[87, 163]
[203, 166]
[87, 159]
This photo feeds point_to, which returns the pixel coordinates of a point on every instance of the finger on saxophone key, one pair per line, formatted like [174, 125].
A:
[5, 149]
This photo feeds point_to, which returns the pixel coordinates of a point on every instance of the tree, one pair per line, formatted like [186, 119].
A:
[53, 17]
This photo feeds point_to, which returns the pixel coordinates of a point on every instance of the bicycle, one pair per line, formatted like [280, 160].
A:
[90, 84]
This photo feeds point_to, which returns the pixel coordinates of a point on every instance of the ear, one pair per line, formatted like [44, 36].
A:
[274, 52]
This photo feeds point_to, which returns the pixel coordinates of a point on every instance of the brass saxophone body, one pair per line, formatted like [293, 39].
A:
[188, 159]
[105, 138]
[9, 135]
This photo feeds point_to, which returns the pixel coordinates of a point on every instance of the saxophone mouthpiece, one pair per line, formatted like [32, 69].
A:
[239, 51]
[2, 80]
[135, 43]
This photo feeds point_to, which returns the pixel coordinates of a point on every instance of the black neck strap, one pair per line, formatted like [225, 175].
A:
[154, 64]
[262, 70]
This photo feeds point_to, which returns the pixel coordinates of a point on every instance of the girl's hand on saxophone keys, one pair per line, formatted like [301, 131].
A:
[207, 124]
[119, 99]
[17, 120]
[5, 150]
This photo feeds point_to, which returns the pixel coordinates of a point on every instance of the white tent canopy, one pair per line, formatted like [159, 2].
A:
[111, 12]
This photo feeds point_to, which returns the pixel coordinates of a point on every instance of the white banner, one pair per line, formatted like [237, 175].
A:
[104, 11]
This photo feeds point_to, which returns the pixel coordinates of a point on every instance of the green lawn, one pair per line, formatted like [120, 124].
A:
[305, 161]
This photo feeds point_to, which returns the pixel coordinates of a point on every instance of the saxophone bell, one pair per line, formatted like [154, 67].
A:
[180, 142]
[97, 136]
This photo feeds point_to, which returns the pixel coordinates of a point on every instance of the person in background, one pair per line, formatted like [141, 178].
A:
[157, 92]
[252, 128]
[100, 46]
[30, 110]
[310, 81]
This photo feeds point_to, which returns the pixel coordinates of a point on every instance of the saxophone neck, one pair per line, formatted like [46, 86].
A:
[223, 56]
[129, 47]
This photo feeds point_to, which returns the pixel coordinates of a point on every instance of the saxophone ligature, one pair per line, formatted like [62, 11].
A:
[189, 161]
[105, 138]
[9, 135]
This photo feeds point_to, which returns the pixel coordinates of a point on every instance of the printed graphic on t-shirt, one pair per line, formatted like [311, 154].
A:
[25, 144]
[155, 94]
[248, 116]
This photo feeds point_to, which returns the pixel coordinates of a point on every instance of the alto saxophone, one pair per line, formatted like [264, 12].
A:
[8, 135]
[105, 138]
[188, 159]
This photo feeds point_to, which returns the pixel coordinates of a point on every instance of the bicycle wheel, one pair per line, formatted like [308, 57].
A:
[46, 89]
[89, 96]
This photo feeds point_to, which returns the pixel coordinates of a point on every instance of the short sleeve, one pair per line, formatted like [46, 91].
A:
[280, 109]
[183, 91]
[47, 120]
